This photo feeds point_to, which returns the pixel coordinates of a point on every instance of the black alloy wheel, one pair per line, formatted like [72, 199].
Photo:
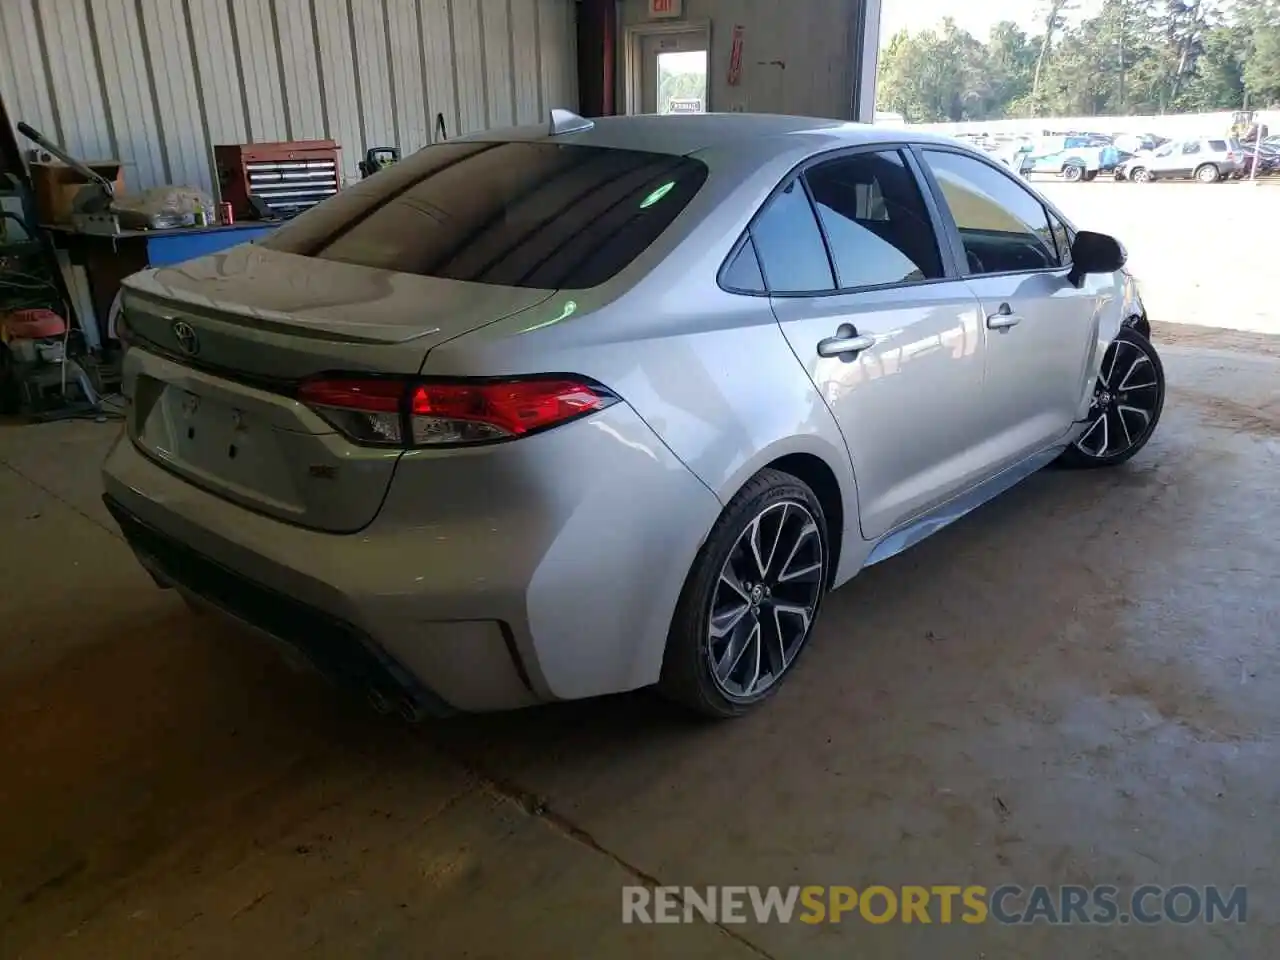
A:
[751, 599]
[1128, 398]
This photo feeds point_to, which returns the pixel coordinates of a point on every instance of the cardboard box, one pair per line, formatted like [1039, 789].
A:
[56, 186]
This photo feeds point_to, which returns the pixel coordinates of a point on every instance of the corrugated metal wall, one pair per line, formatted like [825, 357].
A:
[156, 83]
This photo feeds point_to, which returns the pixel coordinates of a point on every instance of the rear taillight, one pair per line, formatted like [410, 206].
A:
[432, 413]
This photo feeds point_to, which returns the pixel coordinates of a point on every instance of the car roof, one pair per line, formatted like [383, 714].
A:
[685, 133]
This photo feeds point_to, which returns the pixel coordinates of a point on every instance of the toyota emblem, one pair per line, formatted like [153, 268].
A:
[186, 337]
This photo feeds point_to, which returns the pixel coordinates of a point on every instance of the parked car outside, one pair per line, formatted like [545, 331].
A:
[1268, 161]
[1074, 159]
[549, 412]
[1207, 160]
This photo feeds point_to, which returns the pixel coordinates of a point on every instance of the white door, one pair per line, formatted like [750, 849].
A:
[673, 73]
[1040, 326]
[1168, 159]
[892, 344]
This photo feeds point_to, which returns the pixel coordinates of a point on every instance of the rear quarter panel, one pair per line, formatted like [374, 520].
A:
[709, 371]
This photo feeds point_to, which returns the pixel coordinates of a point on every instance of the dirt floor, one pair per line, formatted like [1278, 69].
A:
[1204, 252]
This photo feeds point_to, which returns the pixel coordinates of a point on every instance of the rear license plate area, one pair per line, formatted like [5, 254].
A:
[214, 441]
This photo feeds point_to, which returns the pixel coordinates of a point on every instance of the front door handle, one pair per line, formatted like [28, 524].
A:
[1003, 319]
[846, 342]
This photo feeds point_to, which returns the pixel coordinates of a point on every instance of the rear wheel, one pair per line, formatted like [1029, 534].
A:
[1072, 172]
[751, 599]
[1128, 398]
[1208, 173]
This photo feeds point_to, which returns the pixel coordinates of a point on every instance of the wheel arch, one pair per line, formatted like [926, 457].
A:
[1139, 322]
[821, 479]
[822, 462]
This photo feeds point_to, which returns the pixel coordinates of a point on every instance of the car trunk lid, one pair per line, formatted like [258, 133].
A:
[221, 343]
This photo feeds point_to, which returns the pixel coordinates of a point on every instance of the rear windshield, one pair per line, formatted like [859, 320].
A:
[1218, 146]
[517, 214]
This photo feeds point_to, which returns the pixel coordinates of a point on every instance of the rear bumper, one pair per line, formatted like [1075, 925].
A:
[552, 574]
[338, 649]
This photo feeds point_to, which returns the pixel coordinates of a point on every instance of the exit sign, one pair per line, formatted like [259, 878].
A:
[661, 9]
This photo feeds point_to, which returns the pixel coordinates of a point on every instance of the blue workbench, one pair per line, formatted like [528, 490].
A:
[165, 247]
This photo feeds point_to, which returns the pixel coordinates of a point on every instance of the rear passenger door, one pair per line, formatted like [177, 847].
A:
[870, 304]
[1040, 326]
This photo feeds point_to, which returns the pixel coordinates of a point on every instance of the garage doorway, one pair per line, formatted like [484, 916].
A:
[667, 69]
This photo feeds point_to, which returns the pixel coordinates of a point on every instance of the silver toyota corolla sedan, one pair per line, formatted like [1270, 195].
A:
[546, 413]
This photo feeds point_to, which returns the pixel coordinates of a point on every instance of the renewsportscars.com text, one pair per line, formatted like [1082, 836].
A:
[936, 904]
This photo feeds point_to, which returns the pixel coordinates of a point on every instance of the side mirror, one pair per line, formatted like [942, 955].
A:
[1095, 253]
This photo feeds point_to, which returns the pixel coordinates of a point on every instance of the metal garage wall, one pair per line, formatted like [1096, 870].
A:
[156, 83]
[799, 56]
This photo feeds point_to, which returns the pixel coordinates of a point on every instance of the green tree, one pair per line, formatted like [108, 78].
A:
[1132, 56]
[1218, 78]
[1010, 61]
[1055, 20]
[1260, 21]
[935, 75]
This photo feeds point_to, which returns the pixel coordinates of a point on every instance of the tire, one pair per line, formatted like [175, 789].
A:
[1072, 173]
[1140, 175]
[1134, 410]
[1208, 173]
[1090, 176]
[725, 577]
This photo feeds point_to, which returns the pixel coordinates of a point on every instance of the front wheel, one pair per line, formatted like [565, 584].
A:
[1072, 173]
[1128, 398]
[1090, 176]
[751, 599]
[1140, 175]
[1208, 174]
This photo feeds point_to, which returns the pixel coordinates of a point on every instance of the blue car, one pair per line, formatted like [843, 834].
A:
[1071, 158]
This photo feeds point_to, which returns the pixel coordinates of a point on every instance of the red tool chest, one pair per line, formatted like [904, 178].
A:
[288, 177]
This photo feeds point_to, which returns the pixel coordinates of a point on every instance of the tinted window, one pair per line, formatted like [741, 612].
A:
[1218, 145]
[875, 219]
[1003, 227]
[518, 214]
[1190, 148]
[1062, 238]
[743, 271]
[792, 255]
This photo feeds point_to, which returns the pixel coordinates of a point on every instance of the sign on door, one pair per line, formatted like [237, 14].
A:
[665, 9]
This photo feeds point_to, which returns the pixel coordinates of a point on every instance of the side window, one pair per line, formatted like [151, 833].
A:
[743, 271]
[1062, 237]
[875, 219]
[792, 255]
[1003, 227]
[1190, 147]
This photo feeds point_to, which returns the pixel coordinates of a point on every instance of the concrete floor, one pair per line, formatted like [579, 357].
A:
[1078, 684]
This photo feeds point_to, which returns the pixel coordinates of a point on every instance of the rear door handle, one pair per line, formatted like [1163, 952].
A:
[847, 341]
[1003, 319]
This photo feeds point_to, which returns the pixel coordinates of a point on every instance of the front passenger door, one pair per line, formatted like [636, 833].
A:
[1167, 159]
[1188, 158]
[1040, 326]
[860, 288]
